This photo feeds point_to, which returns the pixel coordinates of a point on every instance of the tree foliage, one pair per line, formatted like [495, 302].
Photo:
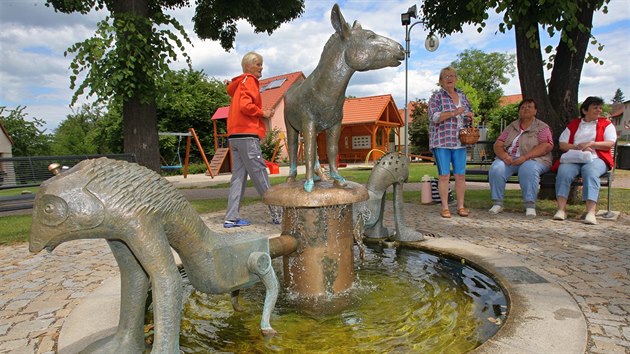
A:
[485, 72]
[419, 126]
[474, 97]
[571, 20]
[27, 136]
[129, 55]
[216, 19]
[76, 134]
[270, 144]
[500, 118]
[618, 98]
[188, 99]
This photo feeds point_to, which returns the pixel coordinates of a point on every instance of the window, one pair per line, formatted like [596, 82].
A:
[274, 84]
[361, 142]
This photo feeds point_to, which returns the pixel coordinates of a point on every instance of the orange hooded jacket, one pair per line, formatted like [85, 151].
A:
[245, 116]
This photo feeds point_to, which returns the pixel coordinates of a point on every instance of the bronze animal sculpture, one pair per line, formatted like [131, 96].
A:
[316, 104]
[391, 169]
[141, 215]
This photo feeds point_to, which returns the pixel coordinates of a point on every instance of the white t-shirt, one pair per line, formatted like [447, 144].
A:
[586, 132]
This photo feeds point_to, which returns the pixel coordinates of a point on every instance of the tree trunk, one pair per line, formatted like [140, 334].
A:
[530, 72]
[139, 117]
[140, 133]
[567, 70]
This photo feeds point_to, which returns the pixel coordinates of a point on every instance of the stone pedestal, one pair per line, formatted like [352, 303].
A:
[321, 221]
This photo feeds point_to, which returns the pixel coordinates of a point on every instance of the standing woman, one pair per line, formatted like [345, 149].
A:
[596, 135]
[246, 127]
[449, 111]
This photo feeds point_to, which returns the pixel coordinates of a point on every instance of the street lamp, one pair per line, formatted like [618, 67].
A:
[431, 44]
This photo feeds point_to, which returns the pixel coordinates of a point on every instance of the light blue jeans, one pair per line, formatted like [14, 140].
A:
[590, 173]
[528, 177]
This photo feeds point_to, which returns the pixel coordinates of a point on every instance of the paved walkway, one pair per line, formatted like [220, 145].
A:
[592, 263]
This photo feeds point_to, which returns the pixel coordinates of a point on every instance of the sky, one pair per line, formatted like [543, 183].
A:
[34, 73]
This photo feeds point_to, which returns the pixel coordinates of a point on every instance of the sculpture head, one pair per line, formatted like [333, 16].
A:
[364, 49]
[64, 210]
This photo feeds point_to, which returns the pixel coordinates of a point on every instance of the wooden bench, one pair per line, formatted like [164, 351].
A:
[481, 155]
[21, 173]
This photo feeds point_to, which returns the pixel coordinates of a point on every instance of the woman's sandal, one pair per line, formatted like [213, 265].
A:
[463, 212]
[445, 213]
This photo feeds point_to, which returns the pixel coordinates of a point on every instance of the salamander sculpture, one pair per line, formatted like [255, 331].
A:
[391, 169]
[316, 104]
[141, 215]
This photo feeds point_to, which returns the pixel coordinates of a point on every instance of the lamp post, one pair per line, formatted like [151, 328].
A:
[431, 44]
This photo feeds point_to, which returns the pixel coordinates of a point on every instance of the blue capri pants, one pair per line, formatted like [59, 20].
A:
[445, 157]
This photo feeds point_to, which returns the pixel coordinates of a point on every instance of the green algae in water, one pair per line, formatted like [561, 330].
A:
[403, 301]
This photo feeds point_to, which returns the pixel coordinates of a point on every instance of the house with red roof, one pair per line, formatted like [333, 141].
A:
[510, 99]
[6, 150]
[370, 126]
[620, 117]
[272, 91]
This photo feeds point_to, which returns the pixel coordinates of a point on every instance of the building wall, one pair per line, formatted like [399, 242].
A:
[5, 145]
[623, 129]
[6, 168]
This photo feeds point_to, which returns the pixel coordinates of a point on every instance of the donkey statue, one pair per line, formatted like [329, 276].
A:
[316, 104]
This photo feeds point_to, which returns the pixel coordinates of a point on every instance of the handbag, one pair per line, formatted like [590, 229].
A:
[576, 156]
[469, 135]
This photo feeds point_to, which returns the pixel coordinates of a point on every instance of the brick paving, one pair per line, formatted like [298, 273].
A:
[592, 263]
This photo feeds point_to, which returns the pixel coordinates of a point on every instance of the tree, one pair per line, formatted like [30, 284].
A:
[187, 99]
[618, 96]
[129, 54]
[572, 19]
[27, 136]
[473, 97]
[500, 118]
[76, 134]
[270, 144]
[485, 73]
[419, 126]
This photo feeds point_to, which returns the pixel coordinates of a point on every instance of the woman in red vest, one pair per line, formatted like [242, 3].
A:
[587, 142]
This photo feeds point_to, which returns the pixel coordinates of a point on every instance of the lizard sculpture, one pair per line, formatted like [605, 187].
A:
[141, 215]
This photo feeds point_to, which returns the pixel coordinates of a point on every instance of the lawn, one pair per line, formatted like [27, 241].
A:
[15, 229]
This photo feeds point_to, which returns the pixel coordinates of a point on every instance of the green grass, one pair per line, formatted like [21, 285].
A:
[17, 191]
[14, 229]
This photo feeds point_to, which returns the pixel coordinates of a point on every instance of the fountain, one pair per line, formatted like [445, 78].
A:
[142, 217]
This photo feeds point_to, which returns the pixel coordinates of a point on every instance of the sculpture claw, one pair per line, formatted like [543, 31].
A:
[339, 180]
[308, 185]
[408, 235]
[268, 332]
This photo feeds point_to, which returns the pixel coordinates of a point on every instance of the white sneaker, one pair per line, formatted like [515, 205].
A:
[560, 215]
[530, 212]
[496, 209]
[590, 219]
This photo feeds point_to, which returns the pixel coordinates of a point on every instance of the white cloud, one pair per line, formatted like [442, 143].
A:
[34, 72]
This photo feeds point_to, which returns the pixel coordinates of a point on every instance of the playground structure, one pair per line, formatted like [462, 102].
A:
[189, 136]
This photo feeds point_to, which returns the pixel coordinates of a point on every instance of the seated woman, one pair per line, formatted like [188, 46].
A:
[524, 147]
[590, 133]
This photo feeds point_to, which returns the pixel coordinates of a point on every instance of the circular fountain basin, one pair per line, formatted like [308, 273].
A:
[403, 300]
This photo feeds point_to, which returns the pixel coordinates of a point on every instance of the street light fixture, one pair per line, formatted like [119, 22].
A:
[431, 44]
